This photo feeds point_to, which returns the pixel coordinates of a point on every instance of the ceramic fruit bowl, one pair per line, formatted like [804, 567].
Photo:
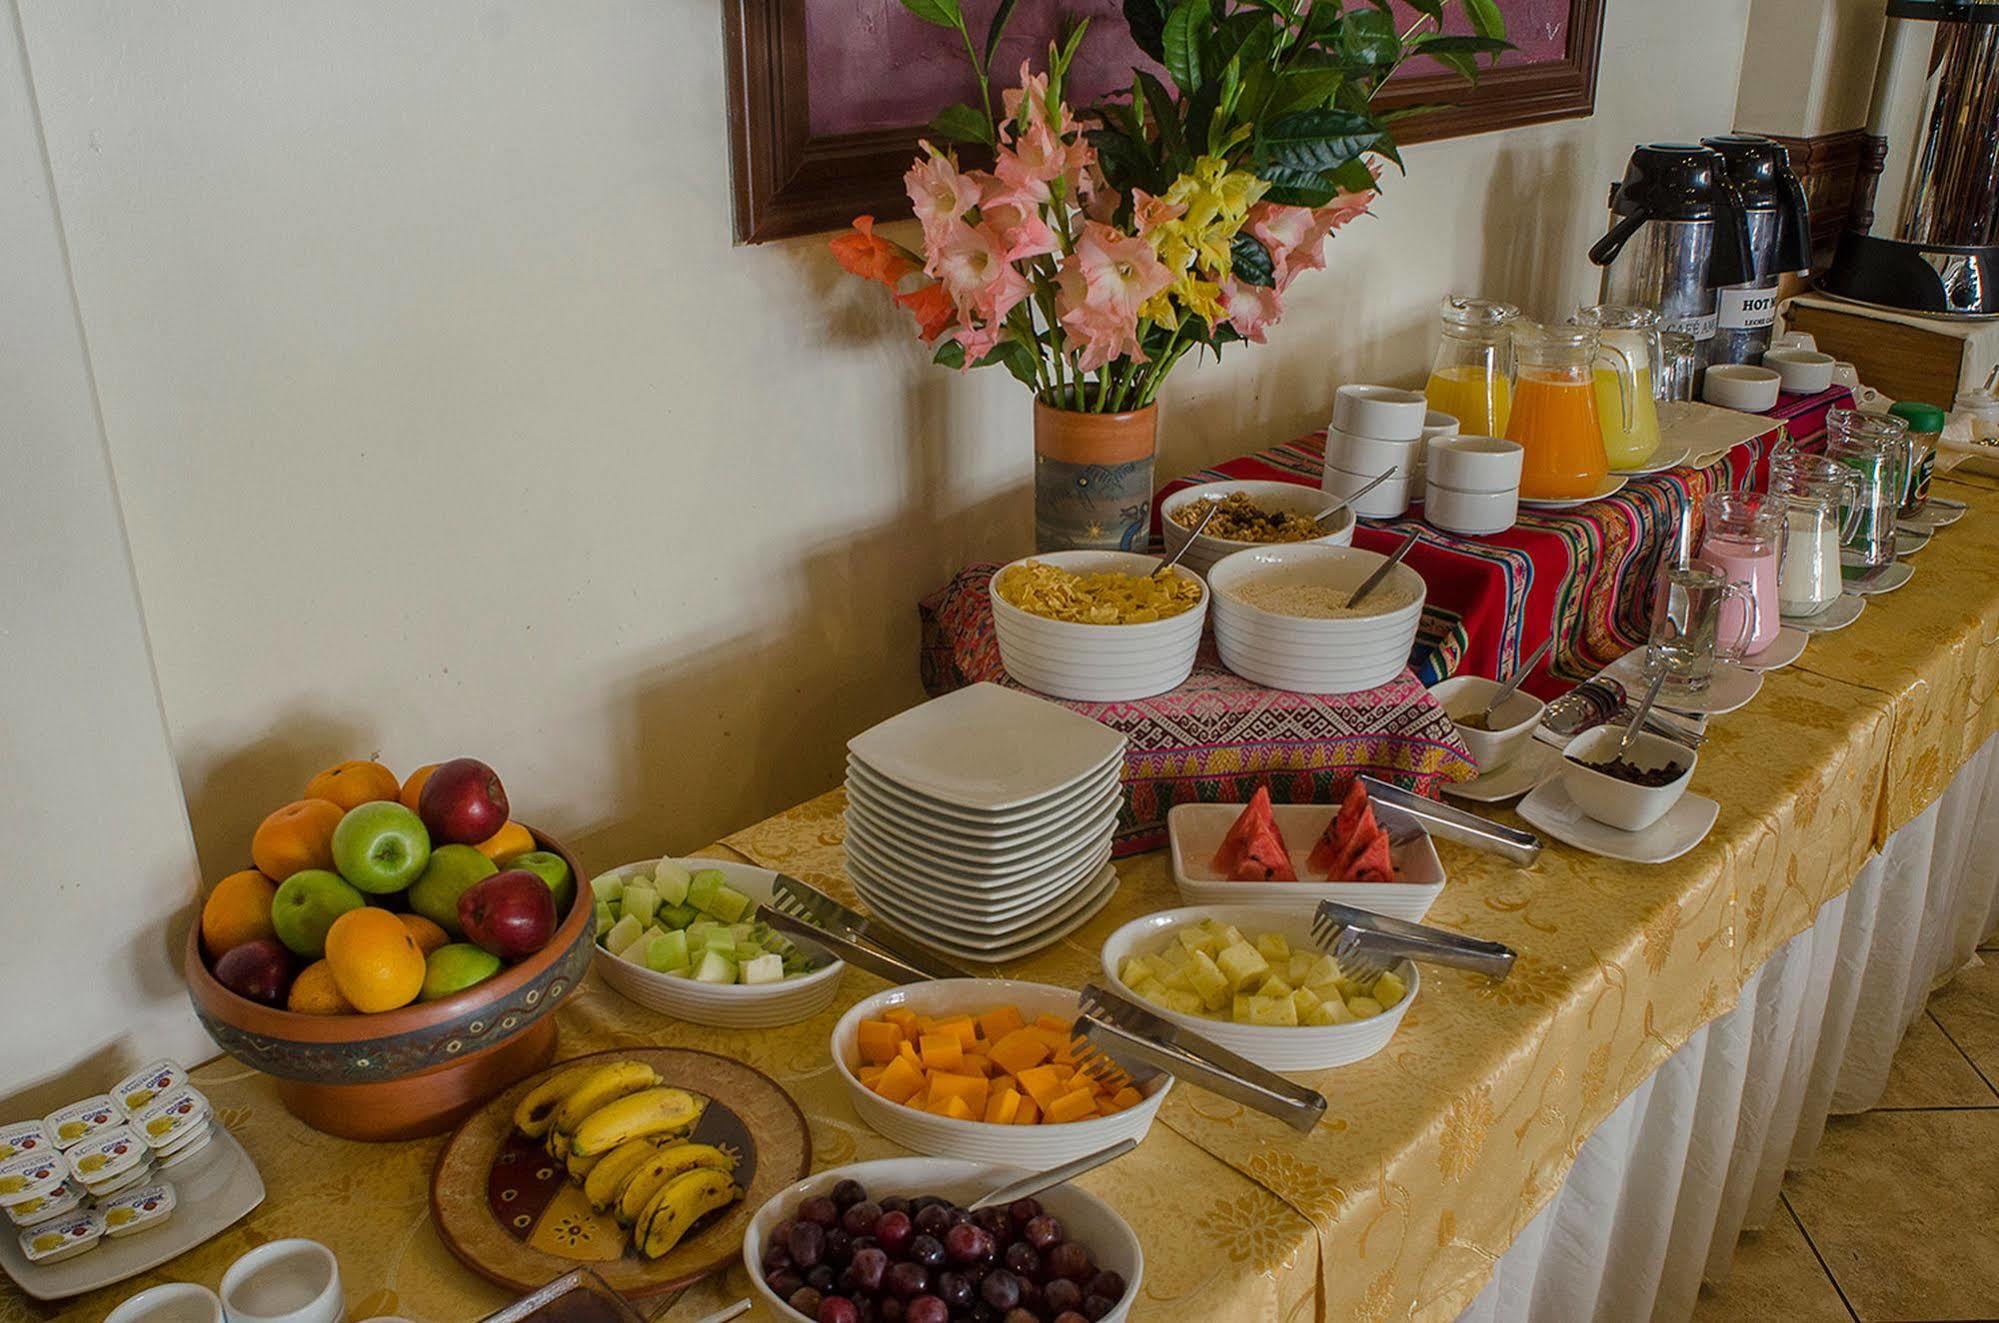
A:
[418, 1070]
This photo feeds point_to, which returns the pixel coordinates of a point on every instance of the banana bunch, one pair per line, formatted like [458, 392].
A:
[621, 1134]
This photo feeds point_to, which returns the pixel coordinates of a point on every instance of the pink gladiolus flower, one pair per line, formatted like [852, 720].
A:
[1252, 309]
[978, 341]
[1149, 212]
[932, 307]
[1017, 220]
[1279, 228]
[1037, 158]
[971, 261]
[1120, 271]
[940, 192]
[1033, 92]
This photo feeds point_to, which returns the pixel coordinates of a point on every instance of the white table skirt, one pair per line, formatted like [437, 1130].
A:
[1662, 1189]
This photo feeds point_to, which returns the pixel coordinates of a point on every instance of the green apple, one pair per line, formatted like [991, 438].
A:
[306, 905]
[381, 847]
[456, 967]
[548, 866]
[451, 870]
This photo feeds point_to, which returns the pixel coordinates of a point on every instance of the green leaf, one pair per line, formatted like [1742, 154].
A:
[1009, 353]
[1125, 163]
[1302, 89]
[1369, 37]
[1486, 20]
[996, 27]
[1147, 21]
[1440, 45]
[963, 123]
[1183, 39]
[1250, 261]
[1429, 8]
[1166, 113]
[944, 13]
[1354, 176]
[1295, 188]
[1320, 139]
[1461, 65]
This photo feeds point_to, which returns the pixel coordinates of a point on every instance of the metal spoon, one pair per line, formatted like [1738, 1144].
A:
[1644, 709]
[1506, 690]
[1214, 508]
[1356, 494]
[1374, 580]
[1048, 1180]
[736, 1310]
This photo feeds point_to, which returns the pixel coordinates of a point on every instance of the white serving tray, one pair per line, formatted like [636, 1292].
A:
[1196, 832]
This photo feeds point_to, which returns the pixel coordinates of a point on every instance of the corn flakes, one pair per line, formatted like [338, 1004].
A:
[1103, 597]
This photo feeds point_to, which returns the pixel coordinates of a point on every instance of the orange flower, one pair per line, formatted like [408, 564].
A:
[932, 307]
[866, 254]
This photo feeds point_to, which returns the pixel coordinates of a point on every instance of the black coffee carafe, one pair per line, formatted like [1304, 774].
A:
[1780, 242]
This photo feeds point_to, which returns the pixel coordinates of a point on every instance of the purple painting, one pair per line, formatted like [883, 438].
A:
[872, 65]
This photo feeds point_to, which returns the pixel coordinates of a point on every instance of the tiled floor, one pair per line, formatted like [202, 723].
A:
[1898, 1219]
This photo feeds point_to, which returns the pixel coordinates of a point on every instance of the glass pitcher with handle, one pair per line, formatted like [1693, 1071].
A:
[1555, 418]
[1874, 446]
[1625, 392]
[1471, 378]
[1820, 499]
[1743, 537]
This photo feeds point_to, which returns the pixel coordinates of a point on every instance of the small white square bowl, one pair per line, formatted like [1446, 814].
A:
[1513, 723]
[1621, 804]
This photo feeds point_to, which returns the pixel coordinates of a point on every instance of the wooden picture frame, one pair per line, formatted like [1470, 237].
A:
[786, 181]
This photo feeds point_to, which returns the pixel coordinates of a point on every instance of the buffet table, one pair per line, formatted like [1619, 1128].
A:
[1704, 1016]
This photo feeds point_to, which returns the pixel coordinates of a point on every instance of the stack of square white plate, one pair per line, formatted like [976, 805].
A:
[980, 823]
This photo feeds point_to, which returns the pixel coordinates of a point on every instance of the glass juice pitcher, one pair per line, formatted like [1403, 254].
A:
[1873, 446]
[1742, 539]
[1686, 639]
[1625, 387]
[1471, 379]
[1554, 416]
[1819, 498]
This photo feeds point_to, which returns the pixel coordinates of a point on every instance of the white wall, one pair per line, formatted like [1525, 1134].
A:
[1808, 66]
[99, 867]
[447, 419]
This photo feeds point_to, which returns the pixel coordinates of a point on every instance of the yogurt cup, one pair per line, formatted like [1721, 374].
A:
[24, 1137]
[102, 1159]
[65, 1198]
[30, 1175]
[167, 1118]
[136, 1091]
[138, 1210]
[65, 1238]
[79, 1121]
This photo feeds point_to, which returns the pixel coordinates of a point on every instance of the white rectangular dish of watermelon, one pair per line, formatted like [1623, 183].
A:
[1368, 855]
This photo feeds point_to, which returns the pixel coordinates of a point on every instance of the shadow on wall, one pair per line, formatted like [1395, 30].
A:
[1535, 275]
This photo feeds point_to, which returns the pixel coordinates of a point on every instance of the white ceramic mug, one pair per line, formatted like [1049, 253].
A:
[1475, 463]
[1740, 386]
[1388, 501]
[1365, 454]
[1475, 514]
[1801, 371]
[286, 1281]
[1382, 412]
[175, 1302]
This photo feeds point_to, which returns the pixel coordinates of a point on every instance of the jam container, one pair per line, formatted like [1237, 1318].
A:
[102, 1159]
[136, 1091]
[79, 1121]
[137, 1210]
[23, 1137]
[29, 1175]
[64, 1198]
[62, 1239]
[168, 1119]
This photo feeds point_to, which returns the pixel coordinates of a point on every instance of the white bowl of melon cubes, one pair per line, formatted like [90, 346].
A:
[681, 936]
[1250, 978]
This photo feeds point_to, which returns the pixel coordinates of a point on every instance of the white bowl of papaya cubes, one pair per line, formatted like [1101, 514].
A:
[985, 1069]
[1251, 979]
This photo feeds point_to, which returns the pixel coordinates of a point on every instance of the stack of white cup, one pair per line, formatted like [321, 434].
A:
[1375, 429]
[1472, 484]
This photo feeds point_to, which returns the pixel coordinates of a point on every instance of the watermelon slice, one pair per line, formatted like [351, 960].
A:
[1354, 848]
[1374, 863]
[1253, 851]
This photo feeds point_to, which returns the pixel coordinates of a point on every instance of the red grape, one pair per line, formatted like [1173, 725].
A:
[848, 1193]
[907, 1280]
[1096, 1306]
[926, 1250]
[1062, 1295]
[1107, 1283]
[1070, 1260]
[807, 1244]
[819, 1209]
[838, 1309]
[926, 1309]
[1070, 1316]
[1044, 1232]
[1020, 1316]
[968, 1243]
[932, 1219]
[868, 1269]
[860, 1218]
[1023, 1211]
[893, 1230]
[806, 1301]
[1000, 1289]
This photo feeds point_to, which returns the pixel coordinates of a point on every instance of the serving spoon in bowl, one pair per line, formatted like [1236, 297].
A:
[1214, 508]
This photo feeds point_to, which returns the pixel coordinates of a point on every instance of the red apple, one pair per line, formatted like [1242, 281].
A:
[463, 803]
[260, 970]
[508, 916]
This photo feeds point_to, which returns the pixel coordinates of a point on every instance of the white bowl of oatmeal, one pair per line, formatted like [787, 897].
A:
[1282, 515]
[1095, 626]
[1281, 618]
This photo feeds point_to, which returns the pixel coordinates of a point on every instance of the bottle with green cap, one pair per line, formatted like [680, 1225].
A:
[1925, 424]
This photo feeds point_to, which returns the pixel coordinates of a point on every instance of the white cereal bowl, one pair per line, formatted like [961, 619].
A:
[1388, 501]
[1274, 1047]
[1742, 387]
[1380, 411]
[1514, 720]
[1471, 514]
[1084, 1217]
[726, 1006]
[1618, 803]
[1035, 1146]
[1370, 455]
[1159, 654]
[1801, 371]
[1313, 656]
[1207, 549]
[1475, 463]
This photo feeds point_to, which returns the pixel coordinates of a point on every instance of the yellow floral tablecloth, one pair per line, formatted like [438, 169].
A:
[1435, 1152]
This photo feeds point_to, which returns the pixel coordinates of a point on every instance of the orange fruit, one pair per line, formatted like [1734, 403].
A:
[315, 993]
[375, 959]
[428, 935]
[507, 842]
[353, 783]
[413, 788]
[238, 910]
[297, 836]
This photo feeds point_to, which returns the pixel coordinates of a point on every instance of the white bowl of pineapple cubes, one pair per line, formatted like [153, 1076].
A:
[681, 936]
[1235, 974]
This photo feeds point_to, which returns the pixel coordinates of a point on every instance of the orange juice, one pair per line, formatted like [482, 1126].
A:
[1474, 395]
[1554, 418]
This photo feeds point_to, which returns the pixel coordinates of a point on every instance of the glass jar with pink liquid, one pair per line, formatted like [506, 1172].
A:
[1742, 539]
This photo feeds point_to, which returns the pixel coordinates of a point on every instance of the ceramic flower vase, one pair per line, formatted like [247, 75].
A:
[1093, 478]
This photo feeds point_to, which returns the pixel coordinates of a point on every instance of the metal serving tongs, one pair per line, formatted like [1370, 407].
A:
[1455, 824]
[799, 909]
[1367, 944]
[1142, 1044]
